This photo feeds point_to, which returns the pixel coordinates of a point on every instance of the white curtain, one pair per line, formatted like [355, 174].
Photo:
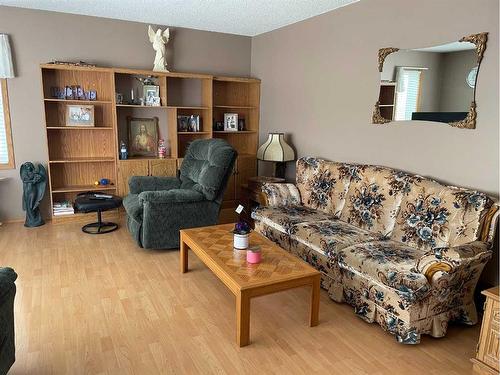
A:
[6, 65]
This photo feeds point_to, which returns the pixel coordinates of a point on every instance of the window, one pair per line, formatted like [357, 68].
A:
[407, 92]
[6, 149]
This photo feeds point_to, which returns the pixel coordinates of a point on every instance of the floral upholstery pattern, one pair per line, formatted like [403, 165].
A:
[281, 195]
[411, 263]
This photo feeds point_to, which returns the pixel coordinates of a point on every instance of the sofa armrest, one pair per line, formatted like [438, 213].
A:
[7, 278]
[281, 194]
[138, 184]
[450, 259]
[171, 196]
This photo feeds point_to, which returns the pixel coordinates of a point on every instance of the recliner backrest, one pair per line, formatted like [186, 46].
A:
[206, 167]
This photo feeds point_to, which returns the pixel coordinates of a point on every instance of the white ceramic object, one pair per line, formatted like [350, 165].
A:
[241, 241]
[159, 39]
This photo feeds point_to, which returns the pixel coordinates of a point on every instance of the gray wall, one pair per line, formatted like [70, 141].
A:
[39, 37]
[320, 82]
[456, 94]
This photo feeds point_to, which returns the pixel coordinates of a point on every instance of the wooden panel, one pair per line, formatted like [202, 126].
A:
[8, 131]
[89, 79]
[163, 167]
[80, 143]
[246, 167]
[55, 113]
[80, 174]
[129, 168]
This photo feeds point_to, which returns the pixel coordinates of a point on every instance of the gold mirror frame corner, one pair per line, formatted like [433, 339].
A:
[469, 122]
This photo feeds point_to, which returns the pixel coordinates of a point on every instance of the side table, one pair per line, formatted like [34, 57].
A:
[252, 193]
[487, 353]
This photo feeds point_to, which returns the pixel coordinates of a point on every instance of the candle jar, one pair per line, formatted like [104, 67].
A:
[241, 241]
[254, 255]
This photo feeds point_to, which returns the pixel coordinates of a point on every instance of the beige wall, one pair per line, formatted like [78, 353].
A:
[456, 94]
[320, 82]
[39, 37]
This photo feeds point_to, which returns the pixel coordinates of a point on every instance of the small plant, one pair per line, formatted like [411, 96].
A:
[241, 227]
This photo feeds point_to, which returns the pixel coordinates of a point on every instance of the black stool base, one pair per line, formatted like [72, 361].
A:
[99, 228]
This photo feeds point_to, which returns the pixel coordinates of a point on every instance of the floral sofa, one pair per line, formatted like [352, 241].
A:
[404, 250]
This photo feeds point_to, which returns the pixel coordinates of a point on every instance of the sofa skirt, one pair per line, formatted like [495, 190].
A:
[375, 302]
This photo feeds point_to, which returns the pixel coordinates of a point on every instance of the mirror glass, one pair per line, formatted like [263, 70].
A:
[431, 84]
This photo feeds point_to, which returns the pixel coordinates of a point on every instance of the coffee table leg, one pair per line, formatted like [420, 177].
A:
[314, 314]
[184, 256]
[242, 319]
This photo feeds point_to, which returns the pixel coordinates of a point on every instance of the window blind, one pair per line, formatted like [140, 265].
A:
[4, 152]
[407, 92]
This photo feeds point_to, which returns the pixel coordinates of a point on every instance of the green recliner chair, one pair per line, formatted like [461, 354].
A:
[7, 294]
[158, 207]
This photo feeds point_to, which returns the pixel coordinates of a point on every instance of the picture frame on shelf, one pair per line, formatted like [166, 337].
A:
[194, 123]
[150, 92]
[182, 123]
[231, 122]
[143, 136]
[80, 115]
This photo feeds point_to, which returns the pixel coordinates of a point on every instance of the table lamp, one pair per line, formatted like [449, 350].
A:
[276, 150]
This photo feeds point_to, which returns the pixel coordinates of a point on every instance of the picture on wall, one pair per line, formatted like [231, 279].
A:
[231, 122]
[79, 115]
[142, 136]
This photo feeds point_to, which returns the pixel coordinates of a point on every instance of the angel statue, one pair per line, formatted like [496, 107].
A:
[34, 183]
[159, 39]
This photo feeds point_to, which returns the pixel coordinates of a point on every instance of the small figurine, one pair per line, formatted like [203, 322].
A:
[159, 39]
[34, 184]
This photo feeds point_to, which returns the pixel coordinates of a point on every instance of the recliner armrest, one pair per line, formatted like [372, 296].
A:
[171, 196]
[138, 184]
[7, 278]
[281, 194]
[449, 259]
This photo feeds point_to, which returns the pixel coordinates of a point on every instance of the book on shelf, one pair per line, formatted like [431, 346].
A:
[63, 208]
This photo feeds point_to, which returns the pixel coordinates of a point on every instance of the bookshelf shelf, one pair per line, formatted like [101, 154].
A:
[83, 160]
[79, 127]
[81, 188]
[76, 101]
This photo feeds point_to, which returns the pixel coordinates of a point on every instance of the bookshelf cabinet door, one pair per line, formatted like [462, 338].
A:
[163, 168]
[246, 168]
[127, 169]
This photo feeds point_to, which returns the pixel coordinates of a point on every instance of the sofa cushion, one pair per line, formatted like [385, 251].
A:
[323, 184]
[284, 218]
[390, 263]
[329, 236]
[374, 196]
[433, 215]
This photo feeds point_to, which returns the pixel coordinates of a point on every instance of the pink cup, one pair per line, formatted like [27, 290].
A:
[253, 256]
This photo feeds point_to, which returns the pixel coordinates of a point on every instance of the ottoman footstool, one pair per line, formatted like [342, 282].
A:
[97, 202]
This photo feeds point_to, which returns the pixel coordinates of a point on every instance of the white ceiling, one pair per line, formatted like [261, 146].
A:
[243, 17]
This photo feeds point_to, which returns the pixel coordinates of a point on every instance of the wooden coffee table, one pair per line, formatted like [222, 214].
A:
[277, 271]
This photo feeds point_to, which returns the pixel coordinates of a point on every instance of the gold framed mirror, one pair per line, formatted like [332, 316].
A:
[436, 83]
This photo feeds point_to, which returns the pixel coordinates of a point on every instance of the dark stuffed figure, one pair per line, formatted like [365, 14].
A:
[7, 294]
[158, 207]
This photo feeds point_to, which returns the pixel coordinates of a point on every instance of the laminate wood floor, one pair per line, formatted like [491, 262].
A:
[101, 305]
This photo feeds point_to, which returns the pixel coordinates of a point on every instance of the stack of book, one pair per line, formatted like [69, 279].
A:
[63, 208]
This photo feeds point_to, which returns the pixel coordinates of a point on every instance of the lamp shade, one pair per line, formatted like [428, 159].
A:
[275, 149]
[6, 65]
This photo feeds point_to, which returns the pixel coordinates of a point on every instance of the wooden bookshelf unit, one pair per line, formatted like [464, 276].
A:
[79, 156]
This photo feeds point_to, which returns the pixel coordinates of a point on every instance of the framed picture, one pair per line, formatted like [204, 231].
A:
[194, 123]
[142, 136]
[182, 123]
[150, 92]
[79, 115]
[231, 122]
